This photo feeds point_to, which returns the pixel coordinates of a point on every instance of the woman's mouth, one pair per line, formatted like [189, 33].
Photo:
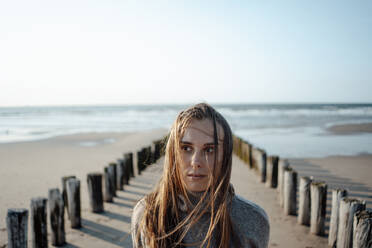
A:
[196, 176]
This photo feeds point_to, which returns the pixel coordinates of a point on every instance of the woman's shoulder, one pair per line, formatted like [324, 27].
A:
[250, 221]
[248, 208]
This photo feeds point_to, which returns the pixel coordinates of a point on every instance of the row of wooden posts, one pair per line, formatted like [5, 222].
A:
[350, 223]
[101, 188]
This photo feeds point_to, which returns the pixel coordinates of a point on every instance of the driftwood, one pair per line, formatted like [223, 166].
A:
[272, 172]
[73, 198]
[318, 207]
[337, 194]
[304, 203]
[348, 207]
[16, 223]
[64, 193]
[290, 188]
[39, 231]
[362, 236]
[56, 213]
[282, 166]
[94, 181]
[109, 185]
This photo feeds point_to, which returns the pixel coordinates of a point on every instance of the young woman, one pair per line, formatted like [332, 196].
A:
[194, 204]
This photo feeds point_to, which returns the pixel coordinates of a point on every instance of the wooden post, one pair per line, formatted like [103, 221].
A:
[64, 193]
[16, 223]
[304, 201]
[272, 172]
[141, 159]
[109, 185]
[362, 237]
[259, 157]
[282, 166]
[94, 181]
[73, 198]
[127, 165]
[318, 207]
[148, 156]
[39, 231]
[112, 174]
[348, 207]
[120, 175]
[112, 170]
[130, 156]
[57, 220]
[290, 188]
[337, 194]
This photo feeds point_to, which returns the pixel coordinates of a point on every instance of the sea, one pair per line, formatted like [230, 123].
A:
[287, 130]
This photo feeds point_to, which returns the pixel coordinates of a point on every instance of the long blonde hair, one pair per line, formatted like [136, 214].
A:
[161, 222]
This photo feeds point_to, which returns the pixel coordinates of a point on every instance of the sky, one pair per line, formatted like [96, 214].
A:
[153, 52]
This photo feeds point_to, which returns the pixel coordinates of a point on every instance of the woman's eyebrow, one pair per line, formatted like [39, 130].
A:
[186, 142]
[189, 143]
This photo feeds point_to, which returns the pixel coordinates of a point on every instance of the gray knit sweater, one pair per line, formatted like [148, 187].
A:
[250, 224]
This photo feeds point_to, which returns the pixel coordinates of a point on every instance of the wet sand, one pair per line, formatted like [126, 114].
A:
[348, 129]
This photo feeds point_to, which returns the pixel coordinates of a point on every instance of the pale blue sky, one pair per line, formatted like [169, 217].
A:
[120, 52]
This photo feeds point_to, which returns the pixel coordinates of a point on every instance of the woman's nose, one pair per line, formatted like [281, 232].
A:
[197, 159]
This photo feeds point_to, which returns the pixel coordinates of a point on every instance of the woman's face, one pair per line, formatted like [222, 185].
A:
[198, 154]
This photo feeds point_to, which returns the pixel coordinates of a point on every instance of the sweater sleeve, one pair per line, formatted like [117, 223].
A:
[252, 223]
[135, 221]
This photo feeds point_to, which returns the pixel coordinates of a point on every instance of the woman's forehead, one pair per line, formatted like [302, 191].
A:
[202, 128]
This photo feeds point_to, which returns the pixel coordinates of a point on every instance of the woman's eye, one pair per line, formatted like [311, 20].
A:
[186, 148]
[209, 149]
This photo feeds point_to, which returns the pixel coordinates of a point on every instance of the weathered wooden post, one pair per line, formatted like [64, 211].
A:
[362, 237]
[127, 165]
[337, 194]
[348, 207]
[130, 161]
[57, 220]
[259, 157]
[304, 203]
[120, 175]
[290, 188]
[148, 156]
[109, 186]
[64, 193]
[249, 155]
[94, 181]
[139, 162]
[16, 223]
[318, 207]
[282, 166]
[73, 199]
[272, 172]
[112, 170]
[39, 231]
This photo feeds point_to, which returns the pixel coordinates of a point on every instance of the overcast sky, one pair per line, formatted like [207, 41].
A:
[123, 52]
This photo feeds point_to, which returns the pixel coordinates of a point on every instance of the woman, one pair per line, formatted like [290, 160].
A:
[194, 204]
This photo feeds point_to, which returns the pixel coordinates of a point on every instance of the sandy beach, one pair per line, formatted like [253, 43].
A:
[29, 169]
